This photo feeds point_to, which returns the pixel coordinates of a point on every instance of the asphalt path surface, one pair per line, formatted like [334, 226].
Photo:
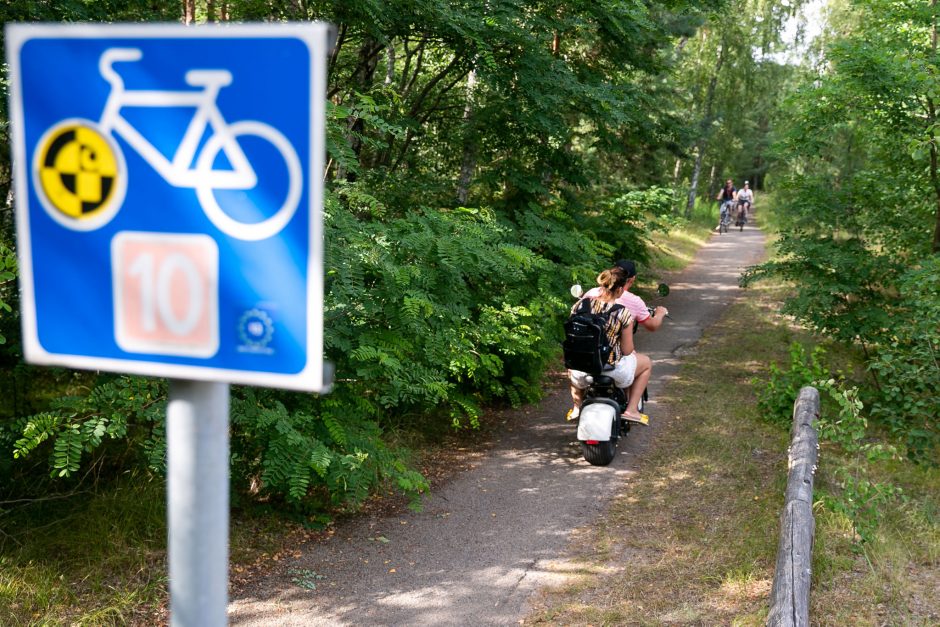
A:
[493, 535]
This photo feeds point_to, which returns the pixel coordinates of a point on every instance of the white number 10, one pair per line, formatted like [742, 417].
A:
[165, 293]
[158, 294]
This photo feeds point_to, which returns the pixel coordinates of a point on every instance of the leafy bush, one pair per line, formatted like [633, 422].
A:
[75, 427]
[908, 364]
[777, 395]
[840, 285]
[8, 274]
[312, 452]
[841, 422]
[434, 308]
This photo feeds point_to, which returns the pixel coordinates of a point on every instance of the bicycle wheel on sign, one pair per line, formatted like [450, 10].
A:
[264, 203]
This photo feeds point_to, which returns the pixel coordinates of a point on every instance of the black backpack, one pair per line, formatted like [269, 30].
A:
[586, 346]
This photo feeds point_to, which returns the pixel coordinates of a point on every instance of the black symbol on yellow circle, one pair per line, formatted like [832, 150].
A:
[78, 171]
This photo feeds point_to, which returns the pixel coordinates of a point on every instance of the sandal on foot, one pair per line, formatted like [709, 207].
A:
[573, 414]
[643, 419]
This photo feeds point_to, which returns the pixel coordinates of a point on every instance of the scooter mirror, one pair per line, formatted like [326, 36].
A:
[576, 291]
[663, 289]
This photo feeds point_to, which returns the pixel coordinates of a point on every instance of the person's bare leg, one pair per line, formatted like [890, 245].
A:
[577, 396]
[644, 368]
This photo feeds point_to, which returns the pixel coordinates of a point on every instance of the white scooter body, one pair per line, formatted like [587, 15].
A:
[598, 422]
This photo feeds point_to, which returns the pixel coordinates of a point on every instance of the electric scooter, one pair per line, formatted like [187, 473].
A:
[600, 423]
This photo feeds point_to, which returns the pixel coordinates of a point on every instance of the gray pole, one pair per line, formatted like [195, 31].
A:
[197, 502]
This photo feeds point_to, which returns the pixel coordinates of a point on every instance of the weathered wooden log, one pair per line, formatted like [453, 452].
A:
[789, 597]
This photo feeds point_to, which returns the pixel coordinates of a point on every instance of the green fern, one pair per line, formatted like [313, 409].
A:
[67, 455]
[336, 430]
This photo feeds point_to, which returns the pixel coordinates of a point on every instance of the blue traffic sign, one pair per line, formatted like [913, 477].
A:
[168, 187]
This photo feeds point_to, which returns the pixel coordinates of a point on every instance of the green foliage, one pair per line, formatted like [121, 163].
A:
[777, 395]
[433, 305]
[908, 365]
[857, 205]
[862, 501]
[841, 422]
[8, 273]
[474, 172]
[314, 453]
[860, 498]
[77, 426]
[840, 285]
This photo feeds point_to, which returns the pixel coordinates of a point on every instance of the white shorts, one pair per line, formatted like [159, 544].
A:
[622, 373]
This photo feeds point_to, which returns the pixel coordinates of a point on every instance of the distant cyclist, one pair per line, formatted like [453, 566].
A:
[746, 198]
[726, 197]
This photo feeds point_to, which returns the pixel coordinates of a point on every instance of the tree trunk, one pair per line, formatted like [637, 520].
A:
[703, 131]
[189, 12]
[693, 186]
[469, 143]
[390, 63]
[935, 181]
[934, 176]
[362, 79]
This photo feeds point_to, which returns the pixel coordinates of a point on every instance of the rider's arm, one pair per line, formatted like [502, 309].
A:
[655, 321]
[626, 337]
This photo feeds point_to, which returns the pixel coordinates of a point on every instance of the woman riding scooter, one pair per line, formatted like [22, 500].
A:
[631, 369]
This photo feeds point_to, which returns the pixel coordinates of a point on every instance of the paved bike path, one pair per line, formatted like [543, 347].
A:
[489, 538]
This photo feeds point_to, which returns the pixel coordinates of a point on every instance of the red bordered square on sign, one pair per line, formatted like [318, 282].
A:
[166, 293]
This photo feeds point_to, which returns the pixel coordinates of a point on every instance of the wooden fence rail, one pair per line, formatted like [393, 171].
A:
[789, 597]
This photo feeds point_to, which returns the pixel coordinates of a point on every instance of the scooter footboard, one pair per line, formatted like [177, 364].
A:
[597, 421]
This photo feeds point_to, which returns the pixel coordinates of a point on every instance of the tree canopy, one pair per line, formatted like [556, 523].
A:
[482, 155]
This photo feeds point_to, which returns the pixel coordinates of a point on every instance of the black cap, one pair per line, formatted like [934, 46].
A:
[627, 266]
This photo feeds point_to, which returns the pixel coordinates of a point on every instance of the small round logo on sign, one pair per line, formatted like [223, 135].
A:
[255, 330]
[79, 177]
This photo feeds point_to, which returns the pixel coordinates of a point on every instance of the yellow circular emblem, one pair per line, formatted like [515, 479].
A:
[78, 172]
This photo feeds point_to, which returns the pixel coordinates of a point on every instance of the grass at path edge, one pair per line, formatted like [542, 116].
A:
[693, 538]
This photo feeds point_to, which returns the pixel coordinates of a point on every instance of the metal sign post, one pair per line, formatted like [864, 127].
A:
[197, 421]
[169, 193]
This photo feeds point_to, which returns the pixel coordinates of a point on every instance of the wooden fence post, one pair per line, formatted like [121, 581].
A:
[789, 597]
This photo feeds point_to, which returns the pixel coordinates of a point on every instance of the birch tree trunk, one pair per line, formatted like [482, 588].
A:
[693, 185]
[932, 120]
[189, 12]
[390, 63]
[470, 143]
[703, 134]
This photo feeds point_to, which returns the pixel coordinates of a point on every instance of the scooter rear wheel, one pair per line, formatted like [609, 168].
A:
[599, 454]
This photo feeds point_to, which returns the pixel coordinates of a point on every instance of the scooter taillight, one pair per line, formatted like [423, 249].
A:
[592, 442]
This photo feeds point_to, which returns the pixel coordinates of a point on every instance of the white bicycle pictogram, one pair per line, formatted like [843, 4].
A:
[189, 170]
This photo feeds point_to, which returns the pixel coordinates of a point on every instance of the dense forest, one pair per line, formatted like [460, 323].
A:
[483, 155]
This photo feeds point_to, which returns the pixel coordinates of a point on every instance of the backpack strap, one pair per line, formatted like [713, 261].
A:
[614, 310]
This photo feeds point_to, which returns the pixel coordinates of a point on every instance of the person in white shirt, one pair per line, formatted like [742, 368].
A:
[745, 197]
